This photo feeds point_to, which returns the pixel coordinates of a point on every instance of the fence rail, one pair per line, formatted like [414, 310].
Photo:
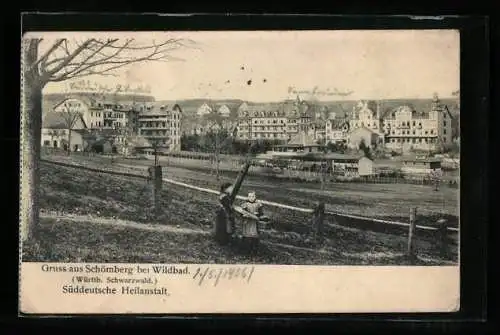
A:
[231, 164]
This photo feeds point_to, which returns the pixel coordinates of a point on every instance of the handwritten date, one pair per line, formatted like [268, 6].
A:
[215, 275]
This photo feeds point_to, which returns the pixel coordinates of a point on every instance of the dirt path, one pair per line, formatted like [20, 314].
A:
[82, 219]
[121, 223]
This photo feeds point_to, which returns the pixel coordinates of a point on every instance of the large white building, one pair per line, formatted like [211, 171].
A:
[336, 130]
[400, 129]
[405, 129]
[366, 114]
[280, 121]
[117, 120]
[100, 114]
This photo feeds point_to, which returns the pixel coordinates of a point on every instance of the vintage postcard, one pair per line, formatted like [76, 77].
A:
[240, 172]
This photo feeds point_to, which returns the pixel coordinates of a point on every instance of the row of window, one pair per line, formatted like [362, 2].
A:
[402, 124]
[153, 132]
[151, 124]
[368, 125]
[413, 140]
[274, 121]
[413, 132]
[277, 128]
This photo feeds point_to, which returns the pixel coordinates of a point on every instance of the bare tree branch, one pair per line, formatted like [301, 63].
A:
[103, 57]
[68, 59]
[45, 56]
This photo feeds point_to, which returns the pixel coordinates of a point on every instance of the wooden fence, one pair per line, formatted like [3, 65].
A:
[441, 233]
[231, 164]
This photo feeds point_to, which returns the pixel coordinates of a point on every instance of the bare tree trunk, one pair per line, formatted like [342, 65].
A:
[217, 158]
[217, 162]
[31, 134]
[69, 141]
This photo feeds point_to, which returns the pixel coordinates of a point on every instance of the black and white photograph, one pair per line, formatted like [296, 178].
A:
[327, 148]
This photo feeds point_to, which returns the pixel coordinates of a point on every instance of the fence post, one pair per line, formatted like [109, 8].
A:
[411, 233]
[442, 237]
[318, 219]
[155, 177]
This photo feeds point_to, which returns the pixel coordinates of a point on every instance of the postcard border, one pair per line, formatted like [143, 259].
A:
[479, 103]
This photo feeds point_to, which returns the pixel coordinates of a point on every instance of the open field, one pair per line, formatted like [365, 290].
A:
[383, 201]
[93, 217]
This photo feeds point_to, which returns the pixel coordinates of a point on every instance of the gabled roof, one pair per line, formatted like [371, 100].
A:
[88, 101]
[338, 123]
[292, 108]
[57, 120]
[159, 108]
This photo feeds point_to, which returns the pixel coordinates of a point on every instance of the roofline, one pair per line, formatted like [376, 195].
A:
[72, 98]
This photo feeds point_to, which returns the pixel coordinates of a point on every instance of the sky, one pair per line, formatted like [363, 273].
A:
[383, 64]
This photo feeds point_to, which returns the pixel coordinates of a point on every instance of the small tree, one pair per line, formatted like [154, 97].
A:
[70, 114]
[365, 148]
[223, 133]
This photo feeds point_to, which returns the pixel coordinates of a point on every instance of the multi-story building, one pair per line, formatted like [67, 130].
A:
[406, 129]
[208, 117]
[114, 116]
[56, 132]
[336, 130]
[366, 114]
[274, 121]
[160, 124]
[100, 114]
[71, 107]
[262, 121]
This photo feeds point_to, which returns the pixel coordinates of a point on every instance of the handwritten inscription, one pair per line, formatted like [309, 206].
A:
[317, 92]
[209, 275]
[87, 85]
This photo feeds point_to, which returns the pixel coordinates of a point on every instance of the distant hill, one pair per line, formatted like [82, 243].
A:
[417, 104]
[191, 105]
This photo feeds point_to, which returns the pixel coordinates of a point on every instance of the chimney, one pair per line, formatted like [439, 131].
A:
[378, 109]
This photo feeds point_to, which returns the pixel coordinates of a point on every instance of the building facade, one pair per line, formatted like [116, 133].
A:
[336, 130]
[420, 166]
[160, 124]
[365, 135]
[56, 132]
[101, 114]
[366, 114]
[406, 129]
[350, 165]
[279, 121]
